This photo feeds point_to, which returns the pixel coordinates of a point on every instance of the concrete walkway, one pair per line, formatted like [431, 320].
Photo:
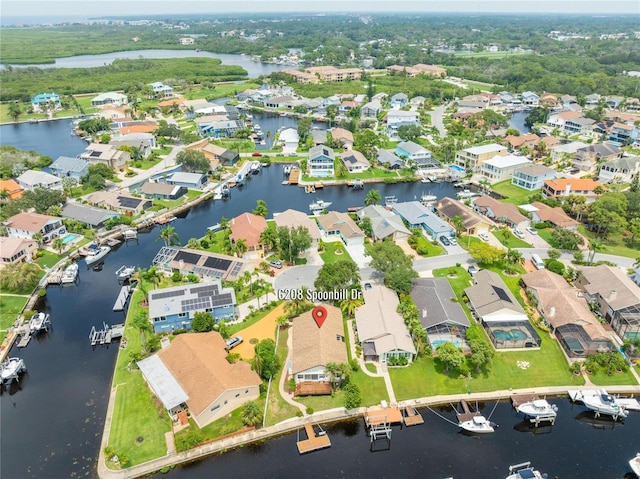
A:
[284, 391]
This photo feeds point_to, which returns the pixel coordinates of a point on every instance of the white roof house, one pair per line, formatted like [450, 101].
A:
[500, 168]
[31, 179]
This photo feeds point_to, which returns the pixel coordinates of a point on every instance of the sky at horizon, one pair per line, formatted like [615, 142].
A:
[99, 8]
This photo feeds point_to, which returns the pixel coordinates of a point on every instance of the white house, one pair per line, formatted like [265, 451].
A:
[25, 225]
[501, 168]
[32, 179]
[621, 169]
[354, 161]
[110, 98]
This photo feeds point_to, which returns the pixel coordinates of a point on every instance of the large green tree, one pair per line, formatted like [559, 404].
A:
[261, 208]
[265, 362]
[395, 266]
[486, 254]
[451, 356]
[251, 414]
[193, 161]
[202, 322]
[339, 275]
[293, 241]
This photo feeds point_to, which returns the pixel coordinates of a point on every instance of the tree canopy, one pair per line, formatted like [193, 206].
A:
[340, 274]
[293, 241]
[395, 266]
[485, 253]
[193, 161]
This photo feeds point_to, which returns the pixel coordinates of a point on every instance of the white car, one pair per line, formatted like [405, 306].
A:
[233, 342]
[518, 233]
[532, 230]
[453, 241]
[484, 236]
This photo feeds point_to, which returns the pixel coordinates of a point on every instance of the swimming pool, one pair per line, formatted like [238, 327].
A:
[513, 335]
[68, 238]
[438, 342]
[457, 168]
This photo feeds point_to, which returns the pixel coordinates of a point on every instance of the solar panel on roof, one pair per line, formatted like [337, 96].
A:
[502, 294]
[208, 290]
[217, 263]
[222, 299]
[236, 269]
[196, 304]
[168, 294]
[187, 257]
[208, 272]
[128, 202]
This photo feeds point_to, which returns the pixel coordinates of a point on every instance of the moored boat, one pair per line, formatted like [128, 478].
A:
[428, 198]
[38, 322]
[70, 273]
[319, 205]
[124, 272]
[478, 425]
[95, 253]
[602, 403]
[11, 369]
[524, 471]
[538, 408]
[634, 463]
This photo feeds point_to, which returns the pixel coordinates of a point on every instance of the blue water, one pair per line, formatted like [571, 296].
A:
[457, 168]
[69, 238]
[438, 342]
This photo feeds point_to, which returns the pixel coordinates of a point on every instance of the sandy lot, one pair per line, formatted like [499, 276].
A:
[263, 329]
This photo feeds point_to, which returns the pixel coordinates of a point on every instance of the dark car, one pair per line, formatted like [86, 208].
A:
[233, 342]
[275, 264]
[445, 241]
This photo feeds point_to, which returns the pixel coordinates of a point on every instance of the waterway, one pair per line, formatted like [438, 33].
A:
[254, 69]
[517, 121]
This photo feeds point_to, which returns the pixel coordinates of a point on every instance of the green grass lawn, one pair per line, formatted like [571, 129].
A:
[332, 253]
[511, 241]
[48, 258]
[10, 308]
[466, 241]
[612, 245]
[513, 194]
[146, 163]
[432, 249]
[601, 378]
[278, 409]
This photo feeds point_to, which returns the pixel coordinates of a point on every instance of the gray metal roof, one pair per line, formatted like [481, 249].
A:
[416, 213]
[162, 382]
[69, 164]
[87, 214]
[433, 298]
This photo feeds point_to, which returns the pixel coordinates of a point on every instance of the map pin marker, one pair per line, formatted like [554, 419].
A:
[319, 314]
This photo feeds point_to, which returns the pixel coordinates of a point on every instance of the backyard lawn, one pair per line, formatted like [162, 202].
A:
[601, 378]
[10, 308]
[612, 245]
[334, 251]
[278, 409]
[513, 194]
[48, 259]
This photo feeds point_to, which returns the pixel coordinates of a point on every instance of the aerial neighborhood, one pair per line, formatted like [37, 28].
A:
[415, 234]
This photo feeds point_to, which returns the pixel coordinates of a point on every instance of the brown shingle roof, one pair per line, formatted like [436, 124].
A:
[32, 222]
[342, 222]
[508, 211]
[198, 362]
[451, 208]
[556, 216]
[292, 219]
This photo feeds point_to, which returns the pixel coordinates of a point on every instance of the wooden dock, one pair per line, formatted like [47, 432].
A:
[467, 414]
[294, 176]
[518, 399]
[121, 301]
[314, 442]
[55, 277]
[376, 416]
[25, 335]
[412, 416]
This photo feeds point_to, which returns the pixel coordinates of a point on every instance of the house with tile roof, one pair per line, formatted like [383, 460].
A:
[562, 187]
[506, 213]
[249, 227]
[295, 219]
[587, 157]
[448, 208]
[73, 167]
[541, 212]
[381, 329]
[342, 137]
[419, 216]
[384, 223]
[559, 119]
[12, 189]
[532, 176]
[32, 179]
[16, 250]
[314, 345]
[339, 224]
[517, 142]
[565, 151]
[217, 155]
[192, 373]
[25, 225]
[568, 315]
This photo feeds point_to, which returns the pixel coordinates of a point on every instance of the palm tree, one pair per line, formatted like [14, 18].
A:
[58, 245]
[193, 243]
[240, 247]
[153, 275]
[281, 321]
[373, 197]
[267, 288]
[594, 245]
[169, 236]
[349, 306]
[269, 238]
[4, 194]
[38, 238]
[251, 414]
[458, 224]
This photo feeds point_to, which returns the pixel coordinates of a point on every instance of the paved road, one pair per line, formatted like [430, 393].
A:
[436, 120]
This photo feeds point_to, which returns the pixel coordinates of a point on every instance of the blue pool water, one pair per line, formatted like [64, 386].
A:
[457, 168]
[69, 237]
[438, 342]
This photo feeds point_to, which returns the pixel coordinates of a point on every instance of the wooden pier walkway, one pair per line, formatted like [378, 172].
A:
[412, 416]
[313, 442]
[518, 399]
[122, 299]
[376, 416]
[467, 414]
[25, 335]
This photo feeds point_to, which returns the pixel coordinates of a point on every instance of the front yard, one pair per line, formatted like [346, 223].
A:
[512, 193]
[334, 251]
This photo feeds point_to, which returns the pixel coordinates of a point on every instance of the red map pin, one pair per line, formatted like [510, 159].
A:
[319, 314]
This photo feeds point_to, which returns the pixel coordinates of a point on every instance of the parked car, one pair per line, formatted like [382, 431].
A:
[256, 154]
[293, 154]
[453, 241]
[472, 270]
[445, 241]
[484, 236]
[276, 264]
[532, 230]
[518, 233]
[279, 154]
[233, 342]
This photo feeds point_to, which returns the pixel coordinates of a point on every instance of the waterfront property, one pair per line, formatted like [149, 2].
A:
[110, 98]
[217, 155]
[32, 179]
[472, 158]
[417, 155]
[88, 215]
[439, 312]
[506, 213]
[339, 224]
[195, 181]
[321, 161]
[562, 187]
[45, 102]
[473, 223]
[106, 154]
[16, 250]
[249, 227]
[620, 169]
[12, 189]
[25, 225]
[69, 166]
[419, 216]
[389, 160]
[573, 324]
[173, 308]
[616, 296]
[532, 176]
[120, 201]
[354, 161]
[384, 223]
[501, 167]
[144, 142]
[294, 219]
[204, 264]
[192, 373]
[342, 137]
[587, 157]
[162, 191]
[381, 329]
[314, 345]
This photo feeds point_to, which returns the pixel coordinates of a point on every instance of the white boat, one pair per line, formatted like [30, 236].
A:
[38, 322]
[635, 464]
[602, 403]
[319, 205]
[538, 408]
[255, 167]
[125, 272]
[70, 273]
[130, 234]
[389, 201]
[10, 369]
[466, 194]
[477, 425]
[428, 198]
[424, 179]
[524, 471]
[96, 253]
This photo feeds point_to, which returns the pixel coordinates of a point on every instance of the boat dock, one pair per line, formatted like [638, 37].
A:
[55, 277]
[378, 416]
[518, 399]
[467, 414]
[294, 176]
[123, 296]
[106, 334]
[411, 416]
[25, 335]
[314, 442]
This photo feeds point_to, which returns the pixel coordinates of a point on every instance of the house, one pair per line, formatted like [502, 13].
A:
[217, 155]
[162, 191]
[318, 137]
[333, 74]
[289, 138]
[384, 223]
[616, 297]
[173, 308]
[346, 106]
[321, 161]
[342, 137]
[530, 99]
[399, 100]
[121, 201]
[106, 154]
[161, 91]
[567, 314]
[398, 118]
[381, 329]
[16, 250]
[194, 181]
[115, 113]
[390, 161]
[12, 190]
[566, 151]
[279, 101]
[559, 119]
[532, 176]
[371, 110]
[186, 41]
[32, 179]
[548, 100]
[517, 142]
[138, 126]
[623, 134]
[541, 212]
[46, 102]
[314, 345]
[302, 77]
[563, 187]
[620, 170]
[26, 225]
[111, 98]
[591, 101]
[88, 215]
[578, 126]
[192, 373]
[472, 158]
[501, 168]
[204, 264]
[416, 215]
[339, 224]
[67, 166]
[249, 227]
[416, 154]
[295, 219]
[473, 223]
[217, 126]
[439, 311]
[144, 142]
[354, 161]
[506, 213]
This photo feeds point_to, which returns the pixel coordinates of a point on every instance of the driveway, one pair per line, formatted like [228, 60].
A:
[296, 277]
[358, 255]
[436, 120]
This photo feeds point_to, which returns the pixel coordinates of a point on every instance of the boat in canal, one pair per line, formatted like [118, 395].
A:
[634, 464]
[600, 402]
[389, 201]
[255, 167]
[95, 253]
[38, 322]
[428, 198]
[319, 205]
[524, 471]
[478, 425]
[538, 408]
[70, 274]
[124, 272]
[11, 369]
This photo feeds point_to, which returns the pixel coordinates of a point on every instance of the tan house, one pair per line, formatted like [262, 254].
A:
[507, 213]
[556, 216]
[25, 225]
[354, 161]
[563, 187]
[472, 158]
[342, 137]
[314, 346]
[339, 224]
[217, 155]
[418, 69]
[16, 250]
[448, 208]
[249, 227]
[518, 142]
[294, 219]
[120, 201]
[193, 372]
[107, 154]
[302, 77]
[333, 74]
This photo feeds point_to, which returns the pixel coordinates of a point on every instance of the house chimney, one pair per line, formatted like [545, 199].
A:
[424, 313]
[567, 189]
[552, 311]
[612, 294]
[181, 265]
